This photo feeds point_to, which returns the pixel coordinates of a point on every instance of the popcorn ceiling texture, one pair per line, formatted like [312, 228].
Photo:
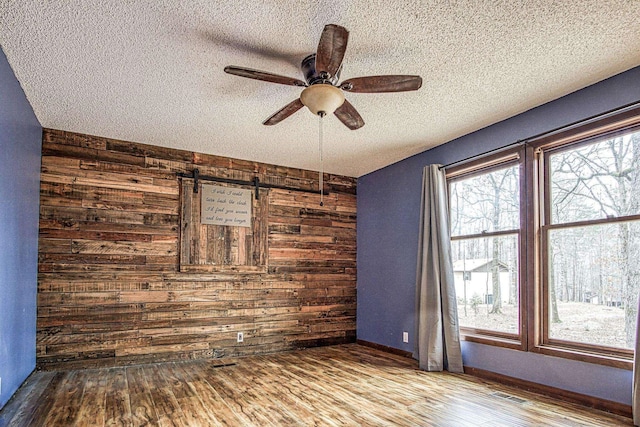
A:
[152, 71]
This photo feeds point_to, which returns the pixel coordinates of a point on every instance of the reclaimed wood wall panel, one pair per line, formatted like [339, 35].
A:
[110, 289]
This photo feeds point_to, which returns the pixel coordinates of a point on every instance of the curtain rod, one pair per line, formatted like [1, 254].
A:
[486, 153]
[549, 132]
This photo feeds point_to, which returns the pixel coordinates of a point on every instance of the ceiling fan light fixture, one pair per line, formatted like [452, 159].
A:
[322, 98]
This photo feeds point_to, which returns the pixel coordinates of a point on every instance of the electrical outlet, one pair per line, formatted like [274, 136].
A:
[240, 336]
[405, 337]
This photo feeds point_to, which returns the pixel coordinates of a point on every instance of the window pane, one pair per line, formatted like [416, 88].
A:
[594, 279]
[597, 180]
[488, 202]
[486, 279]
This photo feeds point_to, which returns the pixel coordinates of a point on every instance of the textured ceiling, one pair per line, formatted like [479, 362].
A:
[151, 71]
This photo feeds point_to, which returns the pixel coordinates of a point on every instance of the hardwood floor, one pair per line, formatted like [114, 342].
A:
[346, 385]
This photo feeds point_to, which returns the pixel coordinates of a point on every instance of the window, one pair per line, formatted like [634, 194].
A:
[591, 241]
[546, 242]
[486, 238]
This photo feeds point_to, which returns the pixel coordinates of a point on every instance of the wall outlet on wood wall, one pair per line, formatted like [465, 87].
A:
[240, 336]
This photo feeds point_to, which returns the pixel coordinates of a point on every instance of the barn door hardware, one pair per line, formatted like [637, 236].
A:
[195, 175]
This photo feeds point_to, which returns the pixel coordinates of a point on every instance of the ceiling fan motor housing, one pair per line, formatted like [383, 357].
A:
[312, 77]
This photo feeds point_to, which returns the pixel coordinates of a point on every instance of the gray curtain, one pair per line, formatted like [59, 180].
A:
[635, 394]
[438, 343]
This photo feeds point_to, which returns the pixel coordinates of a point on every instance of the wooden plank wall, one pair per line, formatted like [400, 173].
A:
[109, 287]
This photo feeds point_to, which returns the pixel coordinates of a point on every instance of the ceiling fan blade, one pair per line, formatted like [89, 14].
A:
[331, 49]
[349, 116]
[284, 112]
[263, 75]
[376, 84]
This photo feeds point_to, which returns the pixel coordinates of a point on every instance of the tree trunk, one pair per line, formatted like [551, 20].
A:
[495, 279]
[513, 277]
[553, 302]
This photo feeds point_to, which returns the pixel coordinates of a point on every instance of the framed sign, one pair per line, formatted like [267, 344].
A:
[228, 206]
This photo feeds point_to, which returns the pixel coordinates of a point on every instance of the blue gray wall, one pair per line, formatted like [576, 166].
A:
[388, 211]
[20, 147]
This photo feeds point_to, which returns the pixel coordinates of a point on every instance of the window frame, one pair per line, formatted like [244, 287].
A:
[535, 209]
[586, 134]
[513, 156]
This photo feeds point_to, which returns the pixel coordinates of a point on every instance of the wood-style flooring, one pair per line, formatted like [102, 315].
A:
[346, 385]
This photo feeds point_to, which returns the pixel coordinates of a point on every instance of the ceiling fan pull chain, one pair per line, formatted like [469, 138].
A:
[320, 139]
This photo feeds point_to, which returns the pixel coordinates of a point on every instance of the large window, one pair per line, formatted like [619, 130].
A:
[485, 229]
[591, 242]
[546, 242]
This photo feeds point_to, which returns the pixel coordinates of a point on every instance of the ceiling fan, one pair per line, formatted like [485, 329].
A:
[322, 94]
